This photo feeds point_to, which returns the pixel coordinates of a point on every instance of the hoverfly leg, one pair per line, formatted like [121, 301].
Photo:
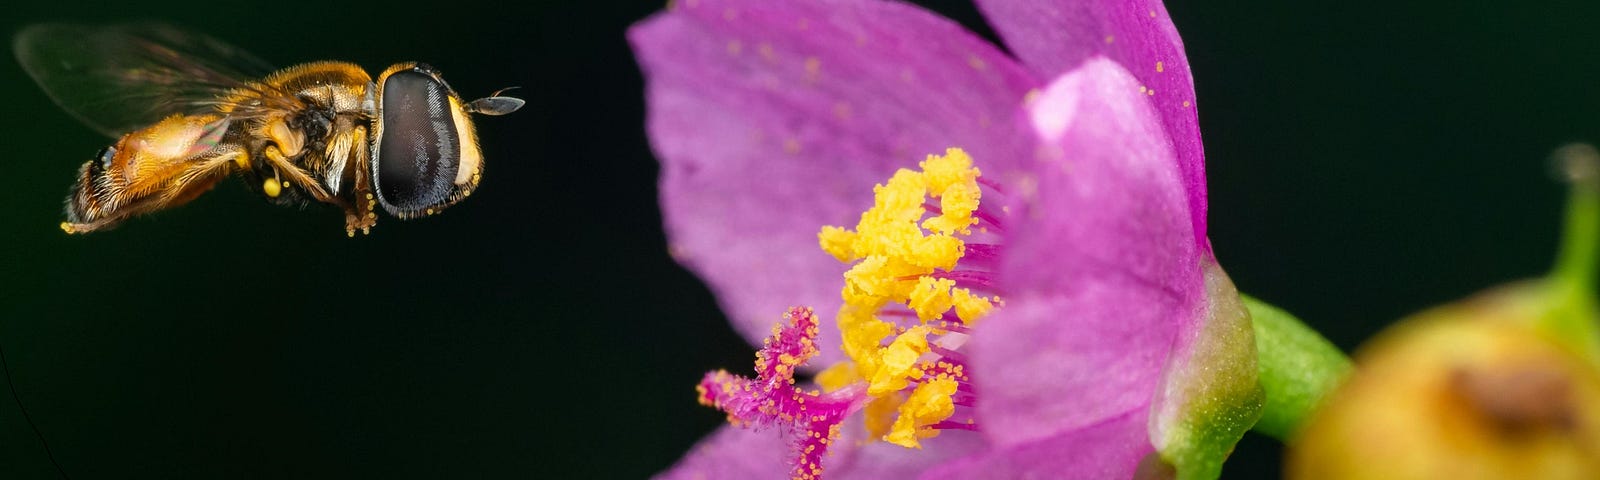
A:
[202, 175]
[297, 176]
[360, 215]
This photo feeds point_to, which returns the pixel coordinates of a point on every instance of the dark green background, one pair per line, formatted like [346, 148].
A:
[1366, 160]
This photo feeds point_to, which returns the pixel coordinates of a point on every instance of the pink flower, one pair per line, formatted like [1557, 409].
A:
[1109, 333]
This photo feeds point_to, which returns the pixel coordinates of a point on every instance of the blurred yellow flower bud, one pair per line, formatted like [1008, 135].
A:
[1465, 391]
[1505, 385]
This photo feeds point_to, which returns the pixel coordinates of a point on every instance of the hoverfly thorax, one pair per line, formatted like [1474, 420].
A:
[188, 110]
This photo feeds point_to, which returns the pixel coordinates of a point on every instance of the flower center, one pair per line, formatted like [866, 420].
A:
[909, 300]
[915, 287]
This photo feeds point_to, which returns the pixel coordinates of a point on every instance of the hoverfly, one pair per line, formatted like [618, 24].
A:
[188, 110]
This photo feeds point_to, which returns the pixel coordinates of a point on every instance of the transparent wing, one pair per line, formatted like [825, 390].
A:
[119, 78]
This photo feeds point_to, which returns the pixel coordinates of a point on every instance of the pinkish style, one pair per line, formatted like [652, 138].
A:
[1058, 195]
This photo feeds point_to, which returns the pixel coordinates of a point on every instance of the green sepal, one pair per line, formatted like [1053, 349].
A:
[1298, 367]
[1210, 395]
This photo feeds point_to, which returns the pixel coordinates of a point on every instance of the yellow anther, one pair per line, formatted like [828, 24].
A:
[271, 187]
[838, 242]
[929, 404]
[862, 336]
[879, 414]
[952, 168]
[936, 251]
[970, 307]
[931, 297]
[957, 205]
[879, 279]
[900, 361]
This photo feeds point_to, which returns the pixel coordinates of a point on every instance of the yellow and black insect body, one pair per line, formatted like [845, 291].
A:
[188, 110]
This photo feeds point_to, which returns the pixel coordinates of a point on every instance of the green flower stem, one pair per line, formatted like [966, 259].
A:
[1571, 318]
[1298, 367]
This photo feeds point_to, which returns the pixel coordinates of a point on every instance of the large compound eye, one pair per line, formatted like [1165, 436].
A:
[425, 157]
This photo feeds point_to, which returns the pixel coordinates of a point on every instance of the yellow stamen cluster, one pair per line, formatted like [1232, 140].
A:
[895, 252]
[929, 404]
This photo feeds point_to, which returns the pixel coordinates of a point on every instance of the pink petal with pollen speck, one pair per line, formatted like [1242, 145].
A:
[773, 119]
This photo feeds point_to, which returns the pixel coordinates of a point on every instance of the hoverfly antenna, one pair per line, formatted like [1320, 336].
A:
[495, 104]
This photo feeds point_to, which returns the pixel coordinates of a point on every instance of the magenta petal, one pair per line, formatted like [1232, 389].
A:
[881, 460]
[1054, 36]
[742, 453]
[772, 119]
[1101, 274]
[1047, 364]
[1110, 449]
[733, 452]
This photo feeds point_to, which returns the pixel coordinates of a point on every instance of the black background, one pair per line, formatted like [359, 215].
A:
[1366, 159]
